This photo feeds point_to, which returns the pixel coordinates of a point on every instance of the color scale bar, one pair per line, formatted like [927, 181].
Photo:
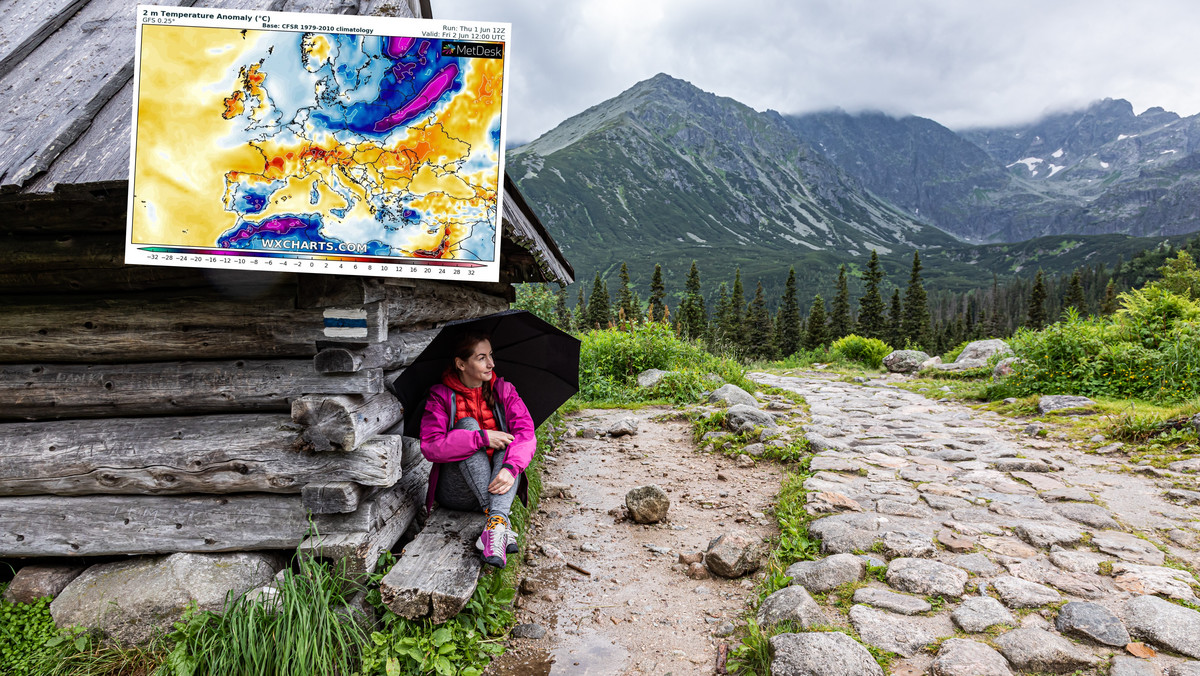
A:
[249, 253]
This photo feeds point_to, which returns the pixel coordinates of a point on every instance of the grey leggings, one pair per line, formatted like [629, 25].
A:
[463, 485]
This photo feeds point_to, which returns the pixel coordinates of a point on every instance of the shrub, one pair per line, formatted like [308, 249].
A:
[1149, 350]
[611, 359]
[866, 351]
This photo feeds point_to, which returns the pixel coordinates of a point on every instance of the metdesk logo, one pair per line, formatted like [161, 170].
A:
[475, 50]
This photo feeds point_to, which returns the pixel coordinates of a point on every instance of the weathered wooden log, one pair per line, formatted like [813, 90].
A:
[163, 329]
[412, 450]
[344, 421]
[392, 511]
[104, 525]
[50, 391]
[175, 455]
[338, 290]
[437, 572]
[95, 262]
[331, 497]
[430, 301]
[398, 351]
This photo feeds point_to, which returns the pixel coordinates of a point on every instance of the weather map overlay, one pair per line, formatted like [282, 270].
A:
[314, 143]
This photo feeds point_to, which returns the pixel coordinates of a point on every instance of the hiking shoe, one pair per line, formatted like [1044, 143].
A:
[510, 541]
[492, 542]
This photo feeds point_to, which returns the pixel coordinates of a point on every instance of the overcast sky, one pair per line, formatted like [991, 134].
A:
[961, 62]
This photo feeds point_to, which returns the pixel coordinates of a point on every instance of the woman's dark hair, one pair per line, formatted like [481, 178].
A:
[464, 349]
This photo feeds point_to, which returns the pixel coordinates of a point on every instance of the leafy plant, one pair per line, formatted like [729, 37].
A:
[866, 351]
[24, 630]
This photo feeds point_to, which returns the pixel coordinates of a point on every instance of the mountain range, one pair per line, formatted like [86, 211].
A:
[667, 173]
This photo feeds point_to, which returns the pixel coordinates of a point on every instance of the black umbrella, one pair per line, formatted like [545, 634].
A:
[541, 361]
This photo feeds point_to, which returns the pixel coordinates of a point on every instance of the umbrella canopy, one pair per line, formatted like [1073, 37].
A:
[541, 361]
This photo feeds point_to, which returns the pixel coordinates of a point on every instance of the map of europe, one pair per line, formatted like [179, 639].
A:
[316, 143]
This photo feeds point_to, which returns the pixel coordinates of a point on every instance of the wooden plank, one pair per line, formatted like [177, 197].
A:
[25, 25]
[344, 421]
[335, 290]
[52, 391]
[395, 511]
[107, 525]
[176, 455]
[100, 155]
[437, 572]
[164, 329]
[429, 301]
[399, 350]
[331, 497]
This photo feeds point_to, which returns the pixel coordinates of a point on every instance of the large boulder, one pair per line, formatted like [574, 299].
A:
[732, 395]
[34, 582]
[975, 355]
[740, 417]
[734, 554]
[132, 600]
[1059, 402]
[829, 653]
[1004, 368]
[904, 361]
[650, 377]
[647, 504]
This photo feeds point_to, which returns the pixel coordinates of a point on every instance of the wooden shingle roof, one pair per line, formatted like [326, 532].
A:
[66, 93]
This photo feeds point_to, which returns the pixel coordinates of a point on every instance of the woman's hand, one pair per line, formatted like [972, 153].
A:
[503, 481]
[498, 440]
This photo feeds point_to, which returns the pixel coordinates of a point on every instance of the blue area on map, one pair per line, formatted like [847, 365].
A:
[252, 199]
[404, 78]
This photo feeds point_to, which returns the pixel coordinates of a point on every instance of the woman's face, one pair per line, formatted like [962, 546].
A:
[476, 369]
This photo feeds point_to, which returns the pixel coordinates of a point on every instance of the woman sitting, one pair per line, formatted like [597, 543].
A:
[478, 434]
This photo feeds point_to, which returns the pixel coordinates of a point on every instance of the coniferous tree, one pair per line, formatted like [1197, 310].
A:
[718, 339]
[625, 300]
[839, 314]
[1109, 304]
[658, 294]
[915, 322]
[996, 324]
[759, 334]
[817, 334]
[692, 314]
[736, 329]
[896, 321]
[871, 320]
[581, 311]
[598, 305]
[562, 316]
[1074, 296]
[787, 323]
[1037, 303]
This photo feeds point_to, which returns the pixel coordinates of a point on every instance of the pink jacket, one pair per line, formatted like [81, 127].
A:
[441, 445]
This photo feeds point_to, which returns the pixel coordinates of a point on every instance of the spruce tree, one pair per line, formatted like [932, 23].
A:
[787, 324]
[996, 326]
[896, 321]
[871, 320]
[625, 302]
[759, 334]
[598, 305]
[1074, 296]
[718, 340]
[915, 322]
[1109, 304]
[658, 294]
[562, 316]
[581, 311]
[692, 315]
[736, 329]
[817, 334]
[840, 325]
[1037, 303]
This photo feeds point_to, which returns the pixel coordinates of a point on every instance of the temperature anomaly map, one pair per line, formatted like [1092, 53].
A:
[311, 143]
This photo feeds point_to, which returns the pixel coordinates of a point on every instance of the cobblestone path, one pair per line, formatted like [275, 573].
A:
[1004, 553]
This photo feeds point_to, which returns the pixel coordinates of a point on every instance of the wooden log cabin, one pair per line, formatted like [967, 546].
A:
[149, 410]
